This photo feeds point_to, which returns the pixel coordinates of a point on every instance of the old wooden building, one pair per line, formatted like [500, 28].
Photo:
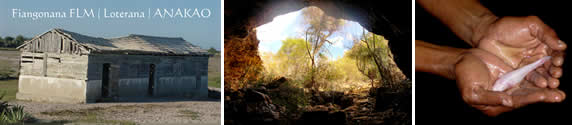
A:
[63, 66]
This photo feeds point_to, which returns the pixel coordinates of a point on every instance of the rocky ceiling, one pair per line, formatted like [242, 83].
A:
[389, 18]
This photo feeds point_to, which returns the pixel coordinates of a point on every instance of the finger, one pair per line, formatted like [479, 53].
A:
[538, 79]
[541, 73]
[555, 72]
[538, 95]
[562, 94]
[557, 58]
[545, 34]
[479, 96]
[541, 70]
[553, 82]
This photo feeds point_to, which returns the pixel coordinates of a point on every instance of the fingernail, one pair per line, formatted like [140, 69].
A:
[560, 42]
[507, 102]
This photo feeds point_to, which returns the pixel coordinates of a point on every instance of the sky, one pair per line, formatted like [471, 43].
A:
[204, 32]
[291, 25]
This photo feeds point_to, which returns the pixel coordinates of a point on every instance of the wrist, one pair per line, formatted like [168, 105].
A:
[442, 60]
[481, 27]
[457, 57]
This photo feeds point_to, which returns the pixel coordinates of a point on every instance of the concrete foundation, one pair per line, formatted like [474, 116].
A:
[48, 89]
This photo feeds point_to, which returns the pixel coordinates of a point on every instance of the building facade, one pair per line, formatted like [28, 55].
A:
[67, 67]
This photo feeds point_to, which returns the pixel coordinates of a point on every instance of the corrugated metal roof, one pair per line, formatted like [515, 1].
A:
[136, 44]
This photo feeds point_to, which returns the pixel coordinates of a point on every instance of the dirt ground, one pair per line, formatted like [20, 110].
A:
[163, 111]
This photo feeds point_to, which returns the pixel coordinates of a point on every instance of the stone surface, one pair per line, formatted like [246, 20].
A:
[250, 107]
[254, 106]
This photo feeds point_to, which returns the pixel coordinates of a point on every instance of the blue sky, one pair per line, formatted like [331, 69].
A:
[204, 32]
[291, 25]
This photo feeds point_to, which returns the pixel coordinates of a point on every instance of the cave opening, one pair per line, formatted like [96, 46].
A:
[270, 73]
[319, 52]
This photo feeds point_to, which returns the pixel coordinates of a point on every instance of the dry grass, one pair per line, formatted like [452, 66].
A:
[10, 87]
[9, 63]
[214, 71]
[94, 115]
[189, 113]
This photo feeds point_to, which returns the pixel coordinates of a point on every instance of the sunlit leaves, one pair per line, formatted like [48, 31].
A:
[374, 59]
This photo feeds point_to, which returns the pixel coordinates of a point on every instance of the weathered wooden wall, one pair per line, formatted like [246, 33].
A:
[52, 77]
[53, 42]
[54, 65]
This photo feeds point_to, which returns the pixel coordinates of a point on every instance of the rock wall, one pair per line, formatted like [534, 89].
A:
[241, 60]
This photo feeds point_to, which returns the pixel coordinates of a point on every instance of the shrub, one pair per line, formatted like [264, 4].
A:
[3, 104]
[11, 113]
[290, 96]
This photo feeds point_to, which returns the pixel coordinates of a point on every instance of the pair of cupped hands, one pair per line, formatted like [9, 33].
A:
[506, 44]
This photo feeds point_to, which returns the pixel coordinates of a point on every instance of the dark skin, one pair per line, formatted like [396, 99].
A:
[476, 85]
[515, 41]
[518, 41]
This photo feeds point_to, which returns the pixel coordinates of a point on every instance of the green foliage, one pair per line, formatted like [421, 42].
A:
[1, 42]
[213, 51]
[291, 96]
[374, 59]
[11, 42]
[320, 28]
[304, 63]
[15, 114]
[8, 39]
[291, 61]
[11, 113]
[3, 104]
[345, 69]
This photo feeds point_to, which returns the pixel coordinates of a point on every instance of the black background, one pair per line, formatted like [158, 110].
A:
[438, 100]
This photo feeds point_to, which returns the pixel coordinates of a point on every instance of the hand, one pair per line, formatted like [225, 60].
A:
[477, 71]
[519, 41]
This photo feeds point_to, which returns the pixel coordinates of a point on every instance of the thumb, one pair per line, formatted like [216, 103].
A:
[545, 34]
[535, 95]
[480, 96]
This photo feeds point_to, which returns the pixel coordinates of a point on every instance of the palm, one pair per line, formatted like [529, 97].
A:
[476, 85]
[519, 41]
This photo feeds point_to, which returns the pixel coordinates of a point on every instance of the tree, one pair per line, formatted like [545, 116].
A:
[320, 27]
[18, 41]
[8, 41]
[212, 51]
[1, 42]
[290, 60]
[374, 59]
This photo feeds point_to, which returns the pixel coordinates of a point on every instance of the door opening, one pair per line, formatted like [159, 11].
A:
[151, 79]
[105, 80]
